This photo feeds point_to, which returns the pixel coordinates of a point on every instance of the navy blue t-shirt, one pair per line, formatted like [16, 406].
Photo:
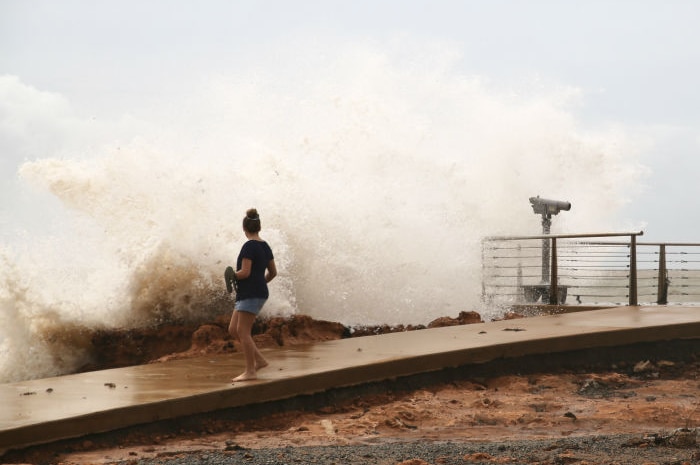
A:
[254, 286]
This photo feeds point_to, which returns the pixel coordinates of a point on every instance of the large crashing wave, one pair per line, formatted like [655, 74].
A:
[375, 181]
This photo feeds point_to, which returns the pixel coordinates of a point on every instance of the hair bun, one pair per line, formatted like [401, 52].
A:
[252, 214]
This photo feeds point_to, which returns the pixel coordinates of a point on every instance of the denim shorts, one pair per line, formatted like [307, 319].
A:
[253, 305]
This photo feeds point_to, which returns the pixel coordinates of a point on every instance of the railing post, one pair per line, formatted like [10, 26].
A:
[553, 287]
[662, 292]
[633, 270]
[546, 223]
[483, 270]
[519, 279]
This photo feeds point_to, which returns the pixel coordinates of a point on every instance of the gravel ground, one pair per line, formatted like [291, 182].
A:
[619, 450]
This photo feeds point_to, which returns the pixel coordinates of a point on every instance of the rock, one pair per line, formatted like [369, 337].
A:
[464, 318]
[299, 329]
[684, 437]
[643, 367]
[205, 335]
[478, 456]
[328, 427]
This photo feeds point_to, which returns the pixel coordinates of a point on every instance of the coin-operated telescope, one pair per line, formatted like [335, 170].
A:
[547, 208]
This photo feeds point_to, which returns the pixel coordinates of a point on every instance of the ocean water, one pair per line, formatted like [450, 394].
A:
[375, 181]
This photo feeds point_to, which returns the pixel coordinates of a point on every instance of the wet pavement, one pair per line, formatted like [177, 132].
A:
[46, 410]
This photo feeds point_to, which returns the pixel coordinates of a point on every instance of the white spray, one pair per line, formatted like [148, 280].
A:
[375, 183]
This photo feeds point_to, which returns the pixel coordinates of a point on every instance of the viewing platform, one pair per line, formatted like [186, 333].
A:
[51, 409]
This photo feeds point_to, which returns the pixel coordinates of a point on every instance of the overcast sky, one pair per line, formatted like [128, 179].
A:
[636, 63]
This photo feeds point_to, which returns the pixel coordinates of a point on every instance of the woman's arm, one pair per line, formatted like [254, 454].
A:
[246, 266]
[271, 271]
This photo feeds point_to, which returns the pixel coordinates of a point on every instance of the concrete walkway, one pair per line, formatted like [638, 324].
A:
[46, 410]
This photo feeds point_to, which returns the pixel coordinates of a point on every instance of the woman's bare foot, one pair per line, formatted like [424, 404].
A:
[261, 364]
[244, 377]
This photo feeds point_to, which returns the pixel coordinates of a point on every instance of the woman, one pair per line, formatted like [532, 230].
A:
[255, 268]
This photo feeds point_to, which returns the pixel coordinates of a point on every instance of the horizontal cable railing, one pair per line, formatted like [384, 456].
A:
[584, 269]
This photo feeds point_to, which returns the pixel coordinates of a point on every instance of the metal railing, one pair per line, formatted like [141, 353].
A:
[525, 269]
[677, 268]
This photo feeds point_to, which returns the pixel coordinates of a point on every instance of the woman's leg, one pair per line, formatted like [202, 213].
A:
[260, 361]
[253, 358]
[244, 329]
[233, 326]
